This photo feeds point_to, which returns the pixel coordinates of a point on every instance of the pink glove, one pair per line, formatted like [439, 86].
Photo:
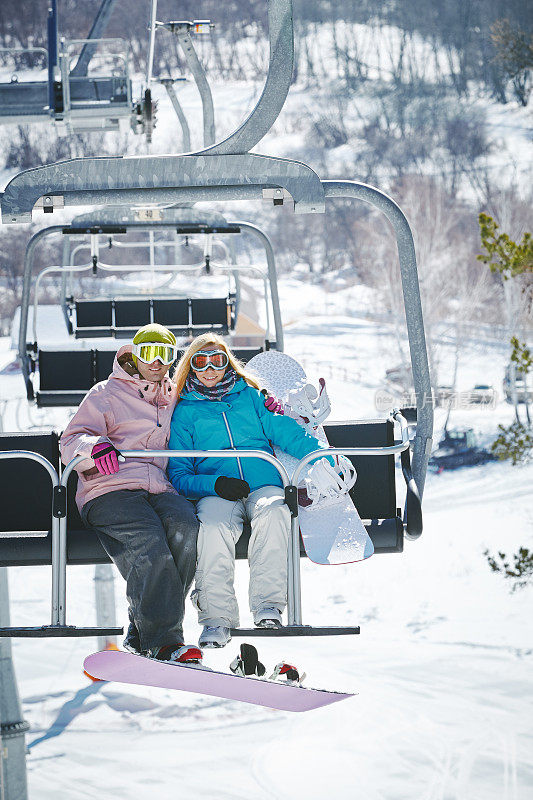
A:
[272, 404]
[106, 458]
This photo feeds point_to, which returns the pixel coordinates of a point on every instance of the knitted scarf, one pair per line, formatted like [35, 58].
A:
[216, 392]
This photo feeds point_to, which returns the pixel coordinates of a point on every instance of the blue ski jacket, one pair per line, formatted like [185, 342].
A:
[240, 420]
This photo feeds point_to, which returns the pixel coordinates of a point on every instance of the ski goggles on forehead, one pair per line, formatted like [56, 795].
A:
[203, 359]
[151, 351]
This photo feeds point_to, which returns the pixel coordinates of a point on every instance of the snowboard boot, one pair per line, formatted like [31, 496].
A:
[268, 618]
[247, 662]
[177, 653]
[287, 674]
[214, 636]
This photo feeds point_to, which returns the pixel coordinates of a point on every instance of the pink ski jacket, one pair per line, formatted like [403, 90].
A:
[132, 414]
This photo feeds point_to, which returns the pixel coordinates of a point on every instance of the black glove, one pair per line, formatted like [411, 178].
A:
[231, 488]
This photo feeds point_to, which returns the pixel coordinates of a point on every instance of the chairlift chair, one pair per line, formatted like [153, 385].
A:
[73, 98]
[61, 377]
[228, 171]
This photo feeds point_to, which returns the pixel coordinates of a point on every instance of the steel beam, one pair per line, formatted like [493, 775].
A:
[150, 218]
[155, 179]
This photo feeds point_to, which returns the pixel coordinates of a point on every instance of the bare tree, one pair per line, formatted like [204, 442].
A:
[514, 53]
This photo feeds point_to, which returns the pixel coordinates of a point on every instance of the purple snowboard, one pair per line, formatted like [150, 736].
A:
[116, 665]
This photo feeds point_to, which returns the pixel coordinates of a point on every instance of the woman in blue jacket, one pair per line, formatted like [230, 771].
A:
[220, 407]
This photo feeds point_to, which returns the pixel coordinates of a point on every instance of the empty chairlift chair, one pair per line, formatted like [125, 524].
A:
[120, 318]
[64, 376]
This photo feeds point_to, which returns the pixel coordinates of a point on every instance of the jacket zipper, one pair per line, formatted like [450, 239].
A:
[233, 444]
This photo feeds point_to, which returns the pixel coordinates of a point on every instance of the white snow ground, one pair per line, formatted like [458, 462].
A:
[442, 667]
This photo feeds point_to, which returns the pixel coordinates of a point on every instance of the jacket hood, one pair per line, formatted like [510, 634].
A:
[125, 370]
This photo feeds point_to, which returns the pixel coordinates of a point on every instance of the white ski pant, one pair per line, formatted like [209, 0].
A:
[221, 525]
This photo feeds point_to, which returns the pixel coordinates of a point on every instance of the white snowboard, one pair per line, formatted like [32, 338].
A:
[332, 531]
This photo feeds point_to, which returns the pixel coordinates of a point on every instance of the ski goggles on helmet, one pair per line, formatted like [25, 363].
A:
[151, 351]
[203, 359]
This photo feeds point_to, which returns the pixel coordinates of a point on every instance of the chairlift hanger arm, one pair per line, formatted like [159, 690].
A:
[99, 25]
[413, 312]
[413, 504]
[151, 44]
[168, 83]
[276, 89]
[182, 31]
[25, 301]
[272, 276]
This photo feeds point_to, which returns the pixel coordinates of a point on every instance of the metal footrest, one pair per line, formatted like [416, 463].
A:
[296, 630]
[44, 631]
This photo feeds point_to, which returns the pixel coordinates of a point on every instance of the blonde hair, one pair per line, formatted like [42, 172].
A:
[200, 343]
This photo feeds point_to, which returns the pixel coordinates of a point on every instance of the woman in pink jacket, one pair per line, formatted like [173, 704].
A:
[145, 526]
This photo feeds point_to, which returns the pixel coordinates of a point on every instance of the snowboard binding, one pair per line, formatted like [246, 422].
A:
[325, 483]
[247, 663]
[287, 673]
[309, 405]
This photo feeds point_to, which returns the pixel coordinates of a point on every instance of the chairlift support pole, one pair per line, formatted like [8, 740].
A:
[100, 23]
[151, 48]
[413, 312]
[13, 783]
[168, 83]
[182, 31]
[52, 53]
[104, 594]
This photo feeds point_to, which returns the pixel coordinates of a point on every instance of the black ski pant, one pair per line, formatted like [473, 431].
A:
[152, 540]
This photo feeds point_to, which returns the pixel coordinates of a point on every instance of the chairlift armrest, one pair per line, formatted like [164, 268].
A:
[30, 393]
[413, 505]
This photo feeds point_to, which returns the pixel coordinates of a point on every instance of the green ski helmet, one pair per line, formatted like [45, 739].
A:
[154, 334]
